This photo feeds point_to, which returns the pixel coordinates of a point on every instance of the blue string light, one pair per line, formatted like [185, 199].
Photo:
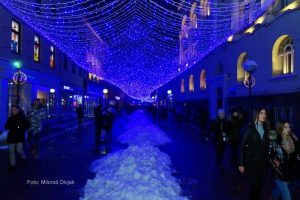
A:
[137, 45]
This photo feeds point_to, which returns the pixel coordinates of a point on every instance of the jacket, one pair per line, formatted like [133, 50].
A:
[17, 126]
[253, 150]
[283, 172]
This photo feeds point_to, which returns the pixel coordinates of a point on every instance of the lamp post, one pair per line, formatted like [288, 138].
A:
[250, 66]
[105, 95]
[170, 94]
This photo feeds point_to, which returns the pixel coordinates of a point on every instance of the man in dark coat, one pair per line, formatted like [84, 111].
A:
[221, 130]
[79, 111]
[203, 123]
[236, 123]
[17, 125]
[108, 123]
[98, 117]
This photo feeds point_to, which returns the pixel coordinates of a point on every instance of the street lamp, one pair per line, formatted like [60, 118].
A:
[250, 66]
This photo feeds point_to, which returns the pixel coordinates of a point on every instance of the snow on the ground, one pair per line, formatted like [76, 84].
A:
[140, 172]
[144, 135]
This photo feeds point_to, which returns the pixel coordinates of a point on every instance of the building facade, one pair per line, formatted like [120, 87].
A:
[220, 80]
[32, 65]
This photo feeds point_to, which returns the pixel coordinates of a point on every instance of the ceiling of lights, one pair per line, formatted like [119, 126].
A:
[137, 45]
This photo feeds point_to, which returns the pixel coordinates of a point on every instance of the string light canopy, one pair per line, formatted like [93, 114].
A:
[137, 45]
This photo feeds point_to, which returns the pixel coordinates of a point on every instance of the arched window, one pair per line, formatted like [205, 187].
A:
[182, 86]
[203, 80]
[205, 9]
[193, 16]
[241, 73]
[195, 21]
[283, 56]
[191, 83]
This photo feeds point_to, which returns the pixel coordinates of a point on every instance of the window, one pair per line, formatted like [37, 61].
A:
[182, 86]
[65, 62]
[36, 49]
[52, 57]
[288, 59]
[219, 69]
[80, 71]
[203, 80]
[205, 8]
[241, 73]
[193, 16]
[73, 68]
[15, 37]
[283, 56]
[191, 83]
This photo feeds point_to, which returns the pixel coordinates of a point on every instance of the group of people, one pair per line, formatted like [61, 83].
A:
[20, 123]
[259, 149]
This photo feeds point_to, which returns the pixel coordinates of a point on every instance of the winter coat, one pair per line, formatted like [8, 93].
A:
[217, 127]
[17, 126]
[79, 111]
[283, 172]
[235, 130]
[253, 151]
[98, 117]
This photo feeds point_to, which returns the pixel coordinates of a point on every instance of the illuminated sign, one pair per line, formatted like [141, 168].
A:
[19, 78]
[249, 82]
[65, 87]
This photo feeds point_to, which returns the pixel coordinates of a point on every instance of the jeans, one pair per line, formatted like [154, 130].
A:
[12, 149]
[33, 140]
[282, 188]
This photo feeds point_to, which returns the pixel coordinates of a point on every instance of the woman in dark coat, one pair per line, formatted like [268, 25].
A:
[253, 153]
[17, 125]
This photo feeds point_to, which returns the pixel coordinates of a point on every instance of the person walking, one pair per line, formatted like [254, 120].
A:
[35, 116]
[98, 117]
[220, 128]
[203, 123]
[16, 124]
[253, 153]
[236, 123]
[282, 151]
[80, 113]
[108, 123]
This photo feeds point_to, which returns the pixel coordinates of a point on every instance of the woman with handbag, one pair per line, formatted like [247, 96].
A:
[283, 149]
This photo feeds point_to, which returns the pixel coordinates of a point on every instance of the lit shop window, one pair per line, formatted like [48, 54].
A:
[36, 49]
[52, 56]
[15, 37]
[94, 78]
[283, 56]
